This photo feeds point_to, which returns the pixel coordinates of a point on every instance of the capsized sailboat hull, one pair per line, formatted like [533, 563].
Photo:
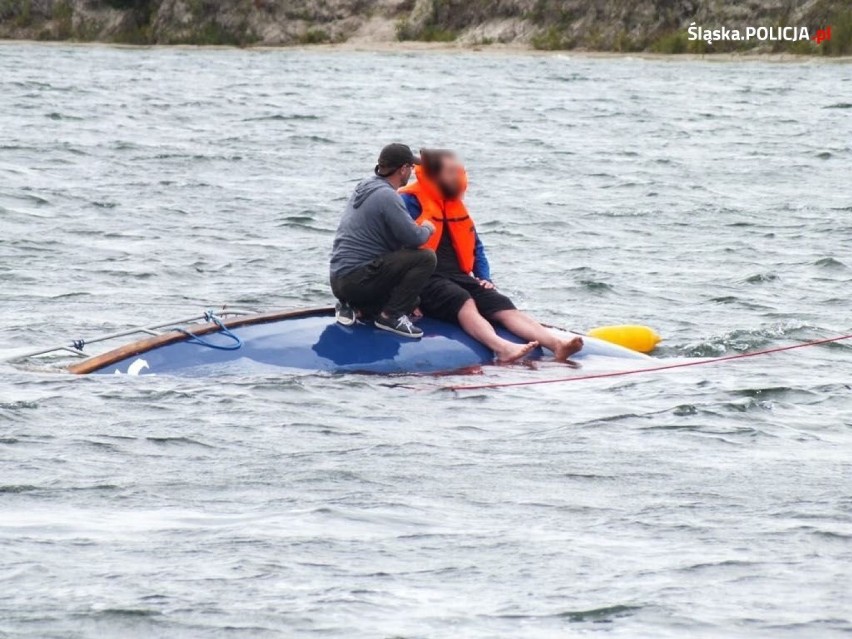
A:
[309, 340]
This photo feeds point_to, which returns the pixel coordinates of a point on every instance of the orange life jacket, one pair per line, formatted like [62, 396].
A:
[445, 214]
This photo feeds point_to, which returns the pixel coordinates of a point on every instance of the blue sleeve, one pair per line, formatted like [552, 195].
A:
[413, 205]
[481, 267]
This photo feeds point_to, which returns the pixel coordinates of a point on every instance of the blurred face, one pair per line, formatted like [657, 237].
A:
[449, 178]
[405, 173]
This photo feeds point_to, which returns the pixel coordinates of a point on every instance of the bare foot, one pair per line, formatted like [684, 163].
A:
[566, 348]
[514, 352]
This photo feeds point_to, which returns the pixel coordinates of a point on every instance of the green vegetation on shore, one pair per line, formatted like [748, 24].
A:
[559, 31]
[840, 43]
[658, 26]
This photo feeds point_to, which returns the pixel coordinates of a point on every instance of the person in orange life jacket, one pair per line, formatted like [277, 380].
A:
[460, 290]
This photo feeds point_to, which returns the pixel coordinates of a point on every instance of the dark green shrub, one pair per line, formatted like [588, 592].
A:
[63, 15]
[314, 36]
[676, 42]
[553, 39]
[841, 35]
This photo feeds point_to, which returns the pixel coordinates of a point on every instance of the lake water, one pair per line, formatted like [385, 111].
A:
[709, 200]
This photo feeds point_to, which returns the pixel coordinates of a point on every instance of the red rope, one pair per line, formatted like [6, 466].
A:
[665, 367]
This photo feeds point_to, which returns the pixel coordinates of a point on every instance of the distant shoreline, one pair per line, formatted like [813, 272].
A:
[406, 47]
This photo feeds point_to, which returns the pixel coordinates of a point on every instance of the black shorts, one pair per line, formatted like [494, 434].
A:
[444, 295]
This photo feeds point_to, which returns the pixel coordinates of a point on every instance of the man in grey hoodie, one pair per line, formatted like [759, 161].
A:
[376, 265]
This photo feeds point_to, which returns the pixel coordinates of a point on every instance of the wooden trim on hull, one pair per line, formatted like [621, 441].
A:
[143, 346]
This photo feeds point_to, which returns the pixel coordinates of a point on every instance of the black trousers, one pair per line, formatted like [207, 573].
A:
[445, 294]
[391, 283]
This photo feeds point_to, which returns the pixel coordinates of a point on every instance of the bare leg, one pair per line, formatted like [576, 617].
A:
[526, 327]
[482, 331]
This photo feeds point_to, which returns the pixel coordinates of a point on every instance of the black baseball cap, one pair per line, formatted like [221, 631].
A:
[394, 156]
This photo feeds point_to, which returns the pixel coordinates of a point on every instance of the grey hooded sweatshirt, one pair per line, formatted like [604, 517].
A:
[374, 223]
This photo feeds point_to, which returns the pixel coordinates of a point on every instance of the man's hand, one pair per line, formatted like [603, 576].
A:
[416, 314]
[427, 224]
[485, 284]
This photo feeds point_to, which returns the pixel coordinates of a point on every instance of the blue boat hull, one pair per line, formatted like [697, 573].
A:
[314, 341]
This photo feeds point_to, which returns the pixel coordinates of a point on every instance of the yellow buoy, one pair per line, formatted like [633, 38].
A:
[637, 338]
